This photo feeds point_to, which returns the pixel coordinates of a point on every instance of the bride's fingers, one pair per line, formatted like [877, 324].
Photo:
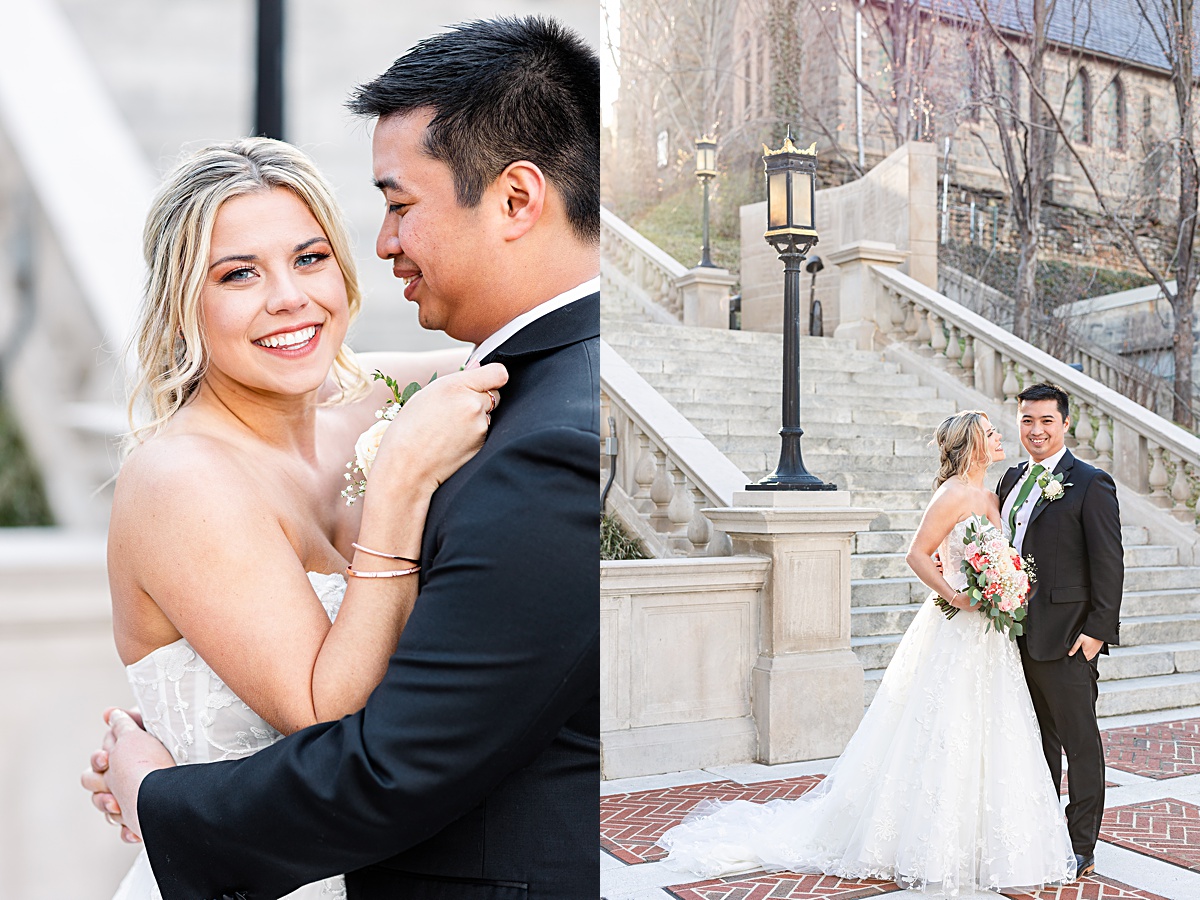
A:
[99, 761]
[128, 836]
[93, 781]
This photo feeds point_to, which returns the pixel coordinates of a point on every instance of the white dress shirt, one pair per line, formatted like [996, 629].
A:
[586, 289]
[1026, 510]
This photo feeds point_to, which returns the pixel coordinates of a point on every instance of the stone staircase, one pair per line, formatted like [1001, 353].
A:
[868, 428]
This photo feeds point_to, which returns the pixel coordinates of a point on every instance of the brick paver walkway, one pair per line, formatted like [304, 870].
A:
[1163, 750]
[1165, 829]
[783, 886]
[631, 823]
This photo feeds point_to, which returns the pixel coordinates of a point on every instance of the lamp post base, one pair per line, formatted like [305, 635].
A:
[791, 483]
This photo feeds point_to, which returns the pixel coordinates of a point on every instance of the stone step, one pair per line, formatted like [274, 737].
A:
[1149, 578]
[923, 466]
[766, 428]
[901, 500]
[868, 446]
[878, 479]
[889, 519]
[656, 334]
[816, 412]
[878, 621]
[1160, 602]
[717, 365]
[878, 565]
[1138, 631]
[891, 564]
[1149, 659]
[1133, 538]
[886, 592]
[758, 392]
[1134, 695]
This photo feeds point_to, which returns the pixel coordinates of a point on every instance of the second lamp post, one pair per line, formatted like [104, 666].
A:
[706, 171]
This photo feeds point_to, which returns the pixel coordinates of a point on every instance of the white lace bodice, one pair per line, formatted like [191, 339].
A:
[185, 704]
[952, 552]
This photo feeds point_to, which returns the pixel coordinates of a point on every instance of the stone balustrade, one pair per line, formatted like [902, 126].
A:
[1144, 451]
[636, 273]
[667, 471]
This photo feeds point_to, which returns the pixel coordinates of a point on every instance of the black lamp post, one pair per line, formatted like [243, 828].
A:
[706, 170]
[791, 199]
[268, 91]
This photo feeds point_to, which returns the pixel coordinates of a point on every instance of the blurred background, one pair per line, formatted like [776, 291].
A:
[98, 99]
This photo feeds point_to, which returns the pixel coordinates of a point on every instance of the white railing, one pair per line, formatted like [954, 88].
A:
[667, 471]
[1144, 451]
[637, 270]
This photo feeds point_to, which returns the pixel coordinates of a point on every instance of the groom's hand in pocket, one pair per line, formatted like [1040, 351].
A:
[1089, 645]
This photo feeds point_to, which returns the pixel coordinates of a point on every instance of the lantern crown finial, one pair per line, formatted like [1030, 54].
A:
[790, 147]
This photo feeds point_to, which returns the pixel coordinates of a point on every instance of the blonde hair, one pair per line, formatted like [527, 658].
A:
[171, 347]
[962, 443]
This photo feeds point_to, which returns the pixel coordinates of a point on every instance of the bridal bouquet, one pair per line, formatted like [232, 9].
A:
[368, 442]
[998, 579]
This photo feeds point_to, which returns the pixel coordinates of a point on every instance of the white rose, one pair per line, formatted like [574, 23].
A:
[1053, 490]
[367, 445]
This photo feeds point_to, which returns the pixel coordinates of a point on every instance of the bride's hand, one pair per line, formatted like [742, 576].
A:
[960, 600]
[440, 427]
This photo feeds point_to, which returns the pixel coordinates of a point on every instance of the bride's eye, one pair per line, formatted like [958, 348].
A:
[237, 275]
[309, 259]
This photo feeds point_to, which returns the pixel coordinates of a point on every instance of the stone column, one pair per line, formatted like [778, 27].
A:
[706, 296]
[864, 307]
[807, 684]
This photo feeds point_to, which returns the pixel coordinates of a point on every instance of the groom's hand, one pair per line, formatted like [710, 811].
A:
[1089, 645]
[128, 755]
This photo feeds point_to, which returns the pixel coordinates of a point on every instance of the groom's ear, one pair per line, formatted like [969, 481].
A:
[521, 190]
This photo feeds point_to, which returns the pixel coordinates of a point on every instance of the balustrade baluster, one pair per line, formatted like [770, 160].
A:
[937, 335]
[910, 321]
[1084, 433]
[953, 346]
[643, 475]
[1010, 387]
[923, 335]
[968, 359]
[700, 530]
[1181, 493]
[661, 491]
[897, 314]
[680, 511]
[1158, 478]
[1103, 441]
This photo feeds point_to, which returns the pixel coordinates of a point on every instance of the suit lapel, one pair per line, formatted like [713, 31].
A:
[1010, 480]
[575, 322]
[1063, 467]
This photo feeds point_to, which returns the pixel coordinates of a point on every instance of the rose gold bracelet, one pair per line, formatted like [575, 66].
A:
[396, 574]
[368, 550]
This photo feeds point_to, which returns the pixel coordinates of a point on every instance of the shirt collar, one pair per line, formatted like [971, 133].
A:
[1050, 462]
[591, 286]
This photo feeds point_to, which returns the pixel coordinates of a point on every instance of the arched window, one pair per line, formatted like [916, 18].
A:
[1008, 83]
[1113, 106]
[1079, 108]
[1147, 112]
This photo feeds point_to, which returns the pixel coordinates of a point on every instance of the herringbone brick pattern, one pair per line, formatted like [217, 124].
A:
[631, 823]
[1095, 887]
[1165, 829]
[783, 886]
[1162, 750]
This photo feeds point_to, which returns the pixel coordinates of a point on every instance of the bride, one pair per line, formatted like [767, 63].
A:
[229, 540]
[943, 787]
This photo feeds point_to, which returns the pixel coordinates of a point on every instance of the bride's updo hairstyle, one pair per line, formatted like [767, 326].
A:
[171, 347]
[962, 443]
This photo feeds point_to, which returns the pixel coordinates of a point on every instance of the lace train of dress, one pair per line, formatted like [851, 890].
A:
[186, 706]
[943, 787]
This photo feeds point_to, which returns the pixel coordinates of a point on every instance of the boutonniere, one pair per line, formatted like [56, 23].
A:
[1052, 486]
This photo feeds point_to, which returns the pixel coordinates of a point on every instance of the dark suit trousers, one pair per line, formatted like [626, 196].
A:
[1064, 697]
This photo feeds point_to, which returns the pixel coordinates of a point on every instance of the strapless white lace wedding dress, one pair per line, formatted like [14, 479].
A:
[186, 706]
[943, 787]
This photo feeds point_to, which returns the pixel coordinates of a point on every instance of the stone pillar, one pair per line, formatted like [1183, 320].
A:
[807, 684]
[706, 296]
[864, 307]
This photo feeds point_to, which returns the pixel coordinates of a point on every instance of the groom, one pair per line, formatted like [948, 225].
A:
[1063, 512]
[472, 770]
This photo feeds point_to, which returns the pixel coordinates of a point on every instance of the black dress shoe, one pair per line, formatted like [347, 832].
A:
[1084, 865]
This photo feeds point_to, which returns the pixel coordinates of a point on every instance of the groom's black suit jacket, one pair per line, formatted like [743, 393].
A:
[1075, 542]
[472, 772]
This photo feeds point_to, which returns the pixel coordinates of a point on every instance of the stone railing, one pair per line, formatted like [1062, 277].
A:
[1057, 338]
[639, 275]
[633, 265]
[667, 471]
[1144, 451]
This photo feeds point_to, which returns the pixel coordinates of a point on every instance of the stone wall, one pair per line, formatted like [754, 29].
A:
[896, 203]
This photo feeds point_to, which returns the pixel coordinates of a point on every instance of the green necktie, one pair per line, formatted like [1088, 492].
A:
[1022, 496]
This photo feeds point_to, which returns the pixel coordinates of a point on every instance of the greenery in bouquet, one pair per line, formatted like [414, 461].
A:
[998, 579]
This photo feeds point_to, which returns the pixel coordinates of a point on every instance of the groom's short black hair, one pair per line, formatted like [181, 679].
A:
[1045, 390]
[501, 90]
